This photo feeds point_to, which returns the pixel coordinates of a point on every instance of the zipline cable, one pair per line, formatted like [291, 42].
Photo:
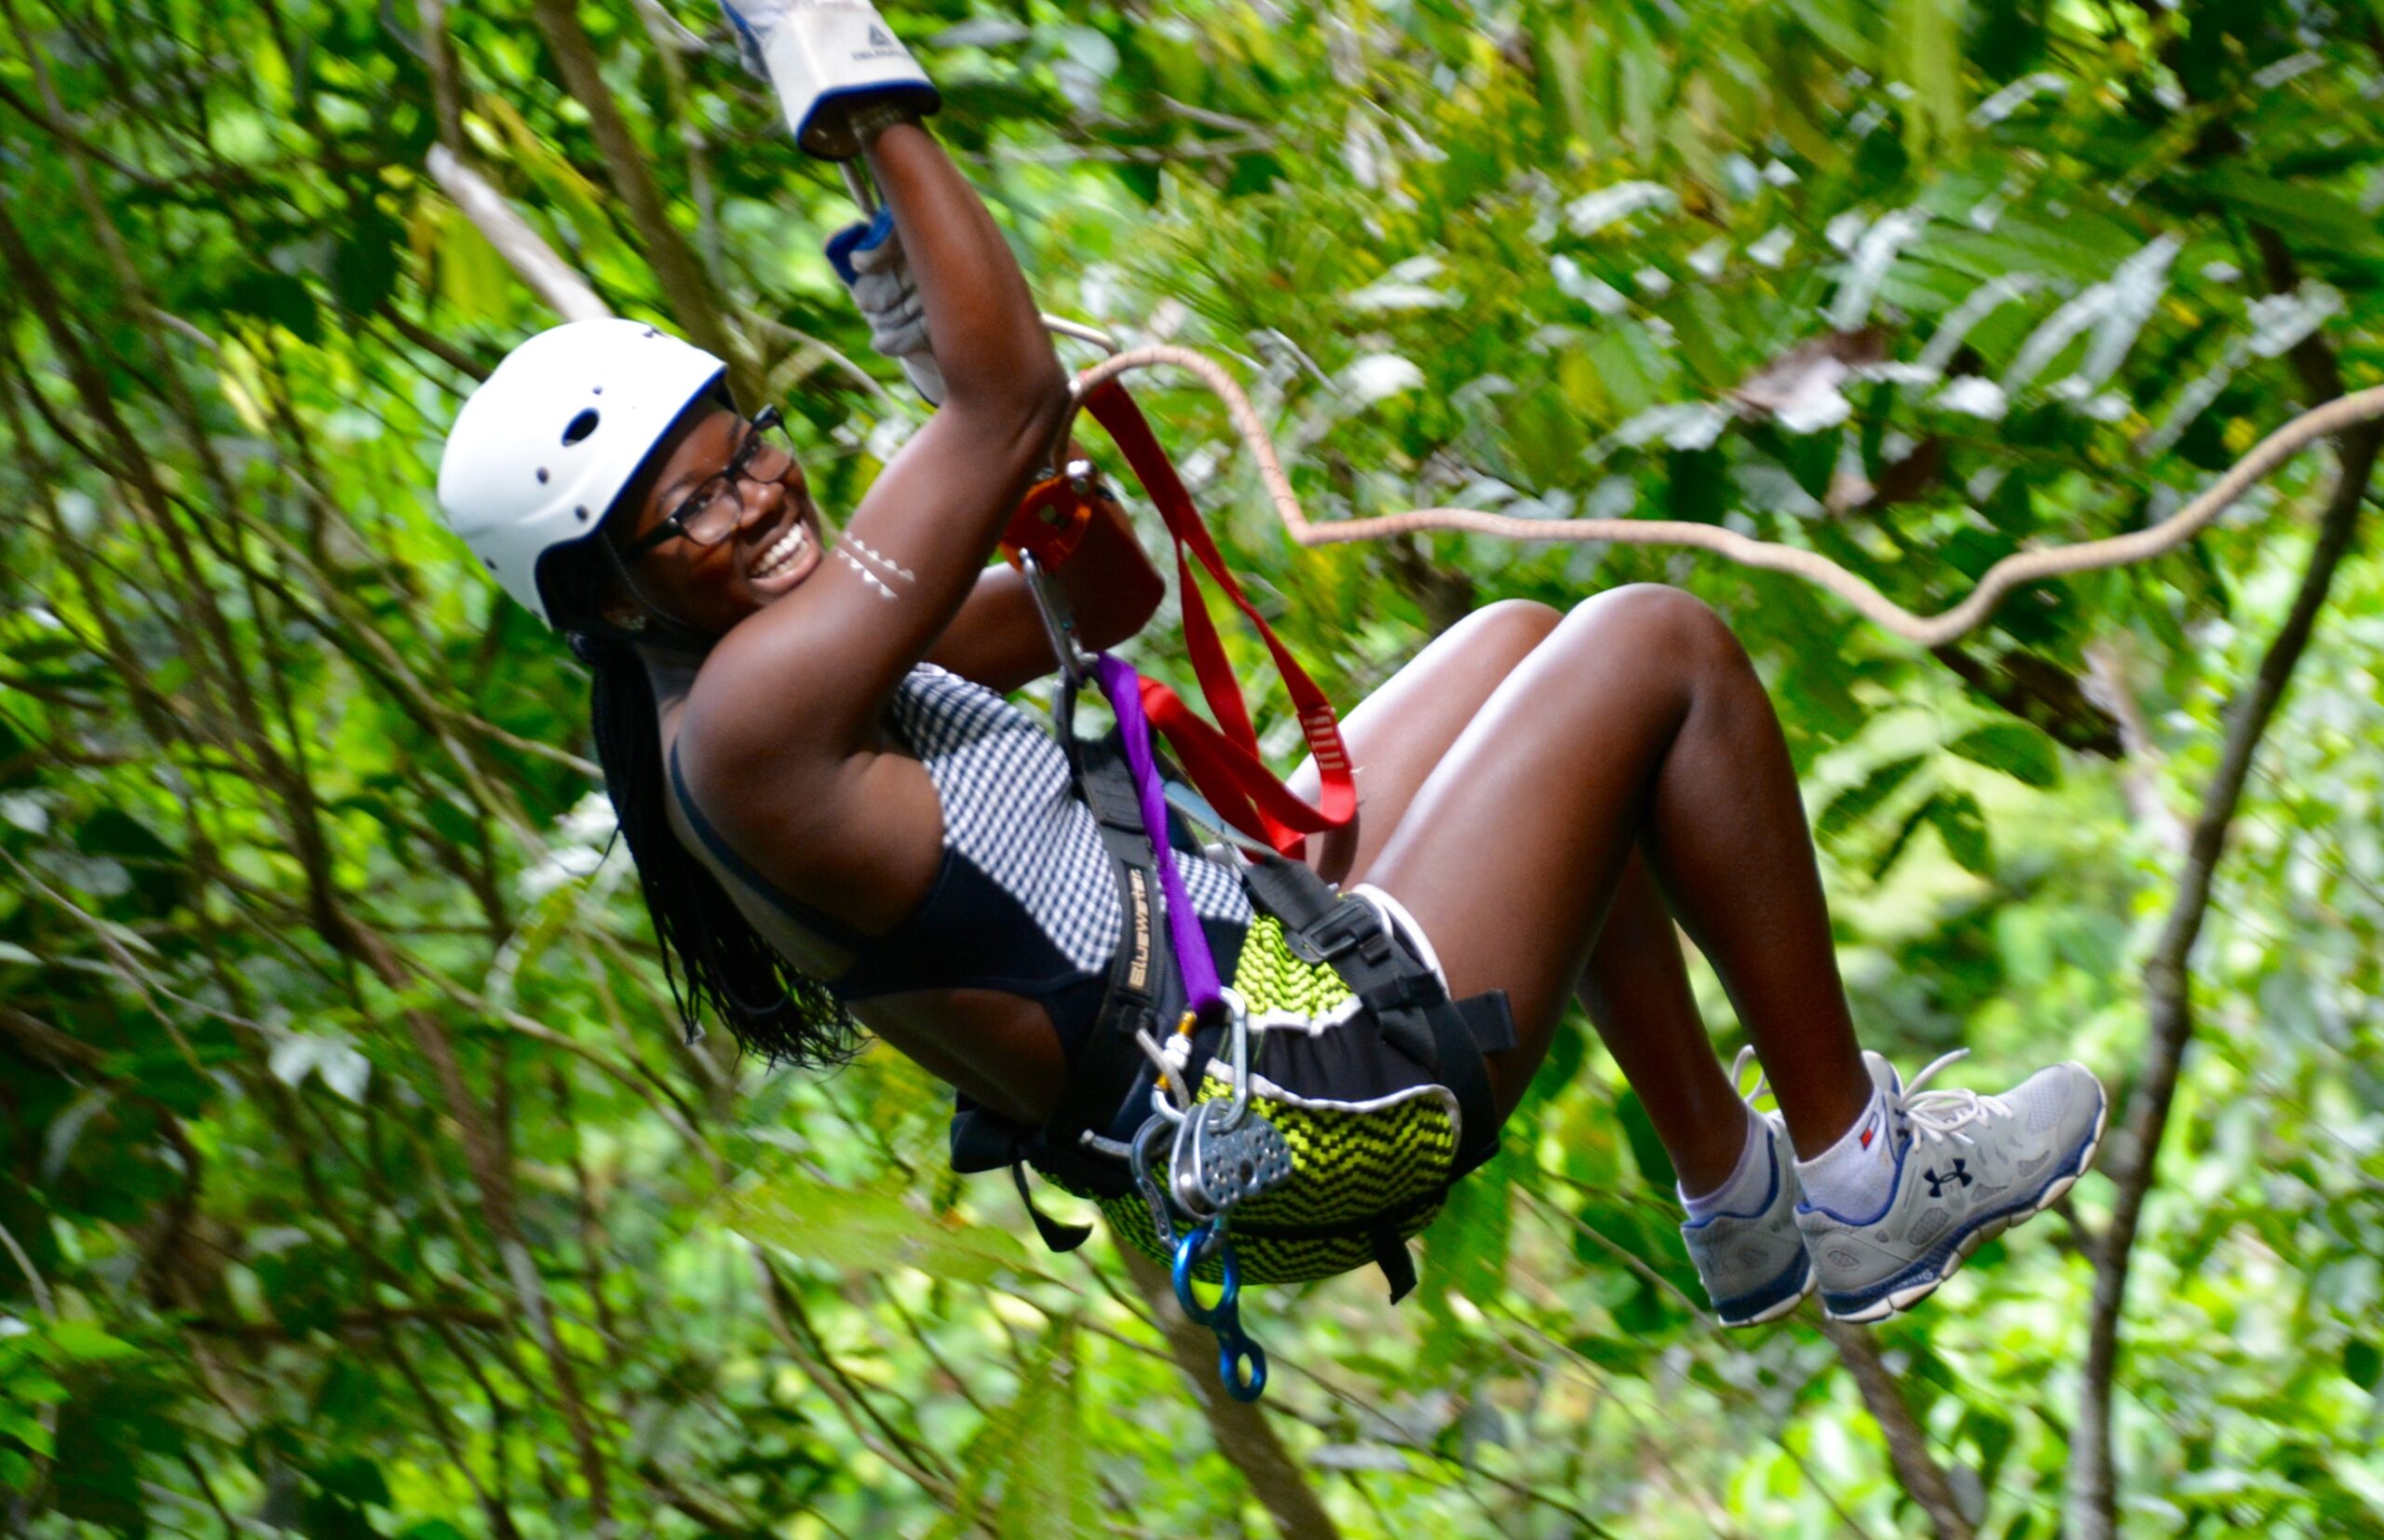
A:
[2023, 567]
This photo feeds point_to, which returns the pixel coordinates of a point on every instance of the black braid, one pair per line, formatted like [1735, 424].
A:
[773, 1009]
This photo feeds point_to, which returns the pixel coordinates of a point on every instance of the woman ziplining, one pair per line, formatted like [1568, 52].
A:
[839, 822]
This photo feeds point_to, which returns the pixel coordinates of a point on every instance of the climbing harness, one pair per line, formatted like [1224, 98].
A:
[1233, 1177]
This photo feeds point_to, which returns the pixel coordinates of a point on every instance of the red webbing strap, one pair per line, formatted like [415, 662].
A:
[1223, 761]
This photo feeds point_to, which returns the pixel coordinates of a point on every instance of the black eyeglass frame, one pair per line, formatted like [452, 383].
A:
[675, 523]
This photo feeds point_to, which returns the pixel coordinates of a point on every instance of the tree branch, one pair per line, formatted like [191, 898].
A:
[1240, 1428]
[566, 291]
[685, 286]
[2092, 1498]
[438, 54]
[1917, 1470]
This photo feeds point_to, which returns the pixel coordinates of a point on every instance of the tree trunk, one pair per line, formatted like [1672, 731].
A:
[2168, 982]
[1240, 1428]
[1917, 1471]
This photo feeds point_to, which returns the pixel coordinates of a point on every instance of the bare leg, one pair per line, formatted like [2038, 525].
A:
[1636, 983]
[1637, 721]
[1636, 989]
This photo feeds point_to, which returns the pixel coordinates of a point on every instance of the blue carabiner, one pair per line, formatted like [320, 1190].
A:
[1233, 1350]
[1191, 1249]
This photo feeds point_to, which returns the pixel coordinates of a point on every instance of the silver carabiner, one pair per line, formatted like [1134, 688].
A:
[1138, 1161]
[1238, 1031]
[1059, 624]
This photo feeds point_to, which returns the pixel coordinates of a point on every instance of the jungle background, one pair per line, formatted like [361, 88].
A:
[352, 1178]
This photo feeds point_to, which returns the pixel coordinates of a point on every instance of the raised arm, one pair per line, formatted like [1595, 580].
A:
[816, 666]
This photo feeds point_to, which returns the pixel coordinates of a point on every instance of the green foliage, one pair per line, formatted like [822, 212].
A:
[353, 1179]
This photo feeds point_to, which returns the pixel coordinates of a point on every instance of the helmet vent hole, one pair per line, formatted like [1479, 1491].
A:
[579, 427]
[542, 476]
[583, 514]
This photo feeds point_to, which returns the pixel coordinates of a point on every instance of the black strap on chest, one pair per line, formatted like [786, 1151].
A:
[1138, 996]
[1142, 973]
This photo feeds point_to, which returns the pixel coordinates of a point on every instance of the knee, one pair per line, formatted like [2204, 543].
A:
[1655, 620]
[1511, 626]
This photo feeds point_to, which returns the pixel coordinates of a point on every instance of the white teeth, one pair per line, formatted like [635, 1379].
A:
[781, 554]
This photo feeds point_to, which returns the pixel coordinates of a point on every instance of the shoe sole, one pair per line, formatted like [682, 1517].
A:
[1780, 1308]
[1897, 1301]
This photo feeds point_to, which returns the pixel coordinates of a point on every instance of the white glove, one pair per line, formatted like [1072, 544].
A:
[868, 256]
[828, 57]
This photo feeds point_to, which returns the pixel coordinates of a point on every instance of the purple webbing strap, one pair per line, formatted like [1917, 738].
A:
[1193, 959]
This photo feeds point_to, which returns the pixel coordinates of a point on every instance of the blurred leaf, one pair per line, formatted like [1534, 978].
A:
[2016, 749]
[357, 1481]
[364, 268]
[865, 1232]
[279, 298]
[1847, 810]
[1962, 824]
[2362, 1363]
[1029, 1464]
[1646, 1148]
[1467, 1248]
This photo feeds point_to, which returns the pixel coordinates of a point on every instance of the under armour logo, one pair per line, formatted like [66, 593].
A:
[1937, 1184]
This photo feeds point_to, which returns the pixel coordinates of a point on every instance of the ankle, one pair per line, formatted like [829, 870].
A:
[1720, 1176]
[1821, 1116]
[1854, 1175]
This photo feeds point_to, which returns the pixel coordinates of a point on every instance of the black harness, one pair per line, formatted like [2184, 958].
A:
[1144, 993]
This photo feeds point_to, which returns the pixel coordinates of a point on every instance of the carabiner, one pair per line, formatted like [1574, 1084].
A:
[1193, 1247]
[1237, 1019]
[1138, 1162]
[1233, 1350]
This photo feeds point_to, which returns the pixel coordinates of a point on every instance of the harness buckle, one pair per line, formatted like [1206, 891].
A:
[1350, 926]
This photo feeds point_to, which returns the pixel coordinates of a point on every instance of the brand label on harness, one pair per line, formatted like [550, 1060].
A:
[1140, 968]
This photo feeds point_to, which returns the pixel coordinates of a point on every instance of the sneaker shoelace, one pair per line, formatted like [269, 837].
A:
[1942, 1114]
[1739, 1073]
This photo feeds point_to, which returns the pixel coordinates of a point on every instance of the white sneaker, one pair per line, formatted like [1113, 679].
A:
[1754, 1264]
[1968, 1168]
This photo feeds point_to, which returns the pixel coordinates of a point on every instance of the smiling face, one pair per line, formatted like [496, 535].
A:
[769, 529]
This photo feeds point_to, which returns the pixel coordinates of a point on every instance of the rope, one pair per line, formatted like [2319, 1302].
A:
[2022, 567]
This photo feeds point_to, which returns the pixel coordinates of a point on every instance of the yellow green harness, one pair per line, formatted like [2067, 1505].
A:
[1236, 1176]
[1362, 1171]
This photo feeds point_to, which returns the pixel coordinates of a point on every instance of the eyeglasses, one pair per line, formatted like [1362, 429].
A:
[712, 511]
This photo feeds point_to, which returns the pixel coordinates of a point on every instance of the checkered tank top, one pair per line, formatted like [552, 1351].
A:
[1025, 900]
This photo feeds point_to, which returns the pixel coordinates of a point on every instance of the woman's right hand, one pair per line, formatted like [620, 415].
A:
[832, 62]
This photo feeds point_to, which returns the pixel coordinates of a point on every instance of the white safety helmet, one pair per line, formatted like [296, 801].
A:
[544, 446]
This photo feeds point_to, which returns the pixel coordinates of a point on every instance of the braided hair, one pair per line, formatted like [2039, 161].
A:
[713, 958]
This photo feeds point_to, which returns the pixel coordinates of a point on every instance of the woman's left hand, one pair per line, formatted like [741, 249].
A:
[868, 255]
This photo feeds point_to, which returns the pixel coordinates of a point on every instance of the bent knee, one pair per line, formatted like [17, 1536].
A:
[1510, 626]
[1662, 620]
